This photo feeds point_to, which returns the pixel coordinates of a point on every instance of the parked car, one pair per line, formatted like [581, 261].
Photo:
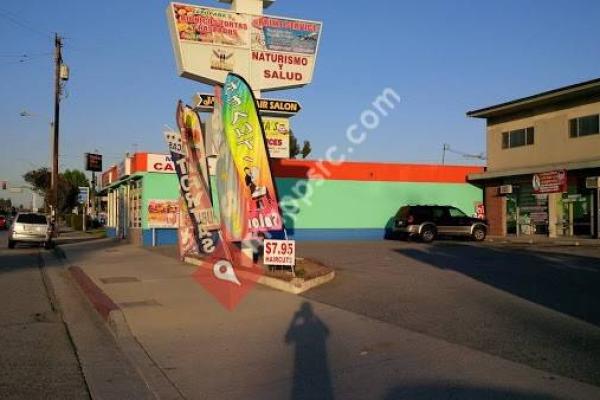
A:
[3, 222]
[30, 228]
[427, 222]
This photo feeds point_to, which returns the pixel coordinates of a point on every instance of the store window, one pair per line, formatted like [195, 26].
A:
[518, 138]
[135, 204]
[584, 126]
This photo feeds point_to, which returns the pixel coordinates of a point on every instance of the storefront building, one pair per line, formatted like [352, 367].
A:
[320, 201]
[543, 163]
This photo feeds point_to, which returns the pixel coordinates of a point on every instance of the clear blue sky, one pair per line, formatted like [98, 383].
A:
[442, 57]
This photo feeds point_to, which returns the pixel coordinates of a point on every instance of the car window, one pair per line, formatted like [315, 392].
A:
[403, 212]
[455, 212]
[438, 213]
[32, 219]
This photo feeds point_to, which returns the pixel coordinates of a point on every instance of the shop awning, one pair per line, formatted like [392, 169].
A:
[120, 182]
[571, 166]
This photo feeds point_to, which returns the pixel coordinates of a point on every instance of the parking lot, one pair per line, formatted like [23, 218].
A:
[537, 305]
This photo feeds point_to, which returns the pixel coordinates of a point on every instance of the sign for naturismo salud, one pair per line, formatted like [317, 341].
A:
[245, 137]
[274, 52]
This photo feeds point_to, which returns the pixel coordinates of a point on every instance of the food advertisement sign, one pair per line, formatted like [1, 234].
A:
[272, 52]
[163, 213]
[211, 25]
[277, 132]
[550, 182]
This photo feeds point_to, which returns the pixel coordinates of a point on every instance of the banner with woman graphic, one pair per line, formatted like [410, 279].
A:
[245, 137]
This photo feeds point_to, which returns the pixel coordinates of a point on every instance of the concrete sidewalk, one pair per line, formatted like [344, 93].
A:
[276, 345]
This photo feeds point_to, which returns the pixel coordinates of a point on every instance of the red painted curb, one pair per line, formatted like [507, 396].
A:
[101, 302]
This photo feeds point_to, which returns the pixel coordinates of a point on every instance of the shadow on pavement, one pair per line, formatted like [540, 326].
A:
[454, 392]
[569, 284]
[308, 334]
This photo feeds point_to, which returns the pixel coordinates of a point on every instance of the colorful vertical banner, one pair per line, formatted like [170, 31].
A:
[231, 204]
[189, 157]
[185, 232]
[245, 138]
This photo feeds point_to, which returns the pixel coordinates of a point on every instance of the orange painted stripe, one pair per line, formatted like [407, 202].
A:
[365, 171]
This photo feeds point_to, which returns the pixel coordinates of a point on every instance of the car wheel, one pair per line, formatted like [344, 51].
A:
[478, 234]
[427, 234]
[11, 244]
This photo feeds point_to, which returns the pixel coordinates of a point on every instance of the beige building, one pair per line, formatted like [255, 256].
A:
[541, 151]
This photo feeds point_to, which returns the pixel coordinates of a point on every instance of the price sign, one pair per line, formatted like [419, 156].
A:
[279, 252]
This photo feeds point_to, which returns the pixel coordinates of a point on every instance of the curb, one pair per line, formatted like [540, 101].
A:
[156, 380]
[295, 286]
[100, 301]
[546, 242]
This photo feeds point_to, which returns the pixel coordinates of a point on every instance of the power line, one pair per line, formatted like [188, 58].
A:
[18, 21]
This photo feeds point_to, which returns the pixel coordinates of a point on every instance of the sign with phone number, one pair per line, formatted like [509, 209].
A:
[279, 252]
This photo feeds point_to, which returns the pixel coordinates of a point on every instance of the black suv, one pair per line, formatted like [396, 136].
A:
[426, 222]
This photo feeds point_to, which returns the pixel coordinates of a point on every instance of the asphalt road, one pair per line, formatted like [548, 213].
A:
[538, 306]
[37, 358]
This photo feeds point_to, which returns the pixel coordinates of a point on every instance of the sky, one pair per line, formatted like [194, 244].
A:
[443, 58]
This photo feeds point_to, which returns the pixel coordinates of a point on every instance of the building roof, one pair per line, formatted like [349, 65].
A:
[569, 166]
[541, 99]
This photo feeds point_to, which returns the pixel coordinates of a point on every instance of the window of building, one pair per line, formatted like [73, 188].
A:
[135, 204]
[584, 126]
[517, 138]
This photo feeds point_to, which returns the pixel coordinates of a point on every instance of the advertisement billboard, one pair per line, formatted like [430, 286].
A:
[549, 182]
[273, 52]
[93, 162]
[163, 213]
[277, 132]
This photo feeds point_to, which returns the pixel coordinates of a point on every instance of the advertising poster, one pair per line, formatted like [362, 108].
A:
[231, 204]
[287, 35]
[273, 52]
[211, 25]
[550, 182]
[244, 134]
[277, 132]
[163, 213]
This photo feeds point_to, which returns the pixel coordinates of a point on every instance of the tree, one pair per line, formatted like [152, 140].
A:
[76, 177]
[5, 205]
[295, 148]
[306, 149]
[68, 186]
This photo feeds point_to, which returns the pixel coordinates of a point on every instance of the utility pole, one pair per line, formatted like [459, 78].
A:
[56, 124]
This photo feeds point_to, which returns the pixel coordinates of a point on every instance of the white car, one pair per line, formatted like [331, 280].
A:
[30, 228]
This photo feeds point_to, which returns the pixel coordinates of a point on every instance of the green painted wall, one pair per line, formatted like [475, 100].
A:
[337, 204]
[359, 204]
